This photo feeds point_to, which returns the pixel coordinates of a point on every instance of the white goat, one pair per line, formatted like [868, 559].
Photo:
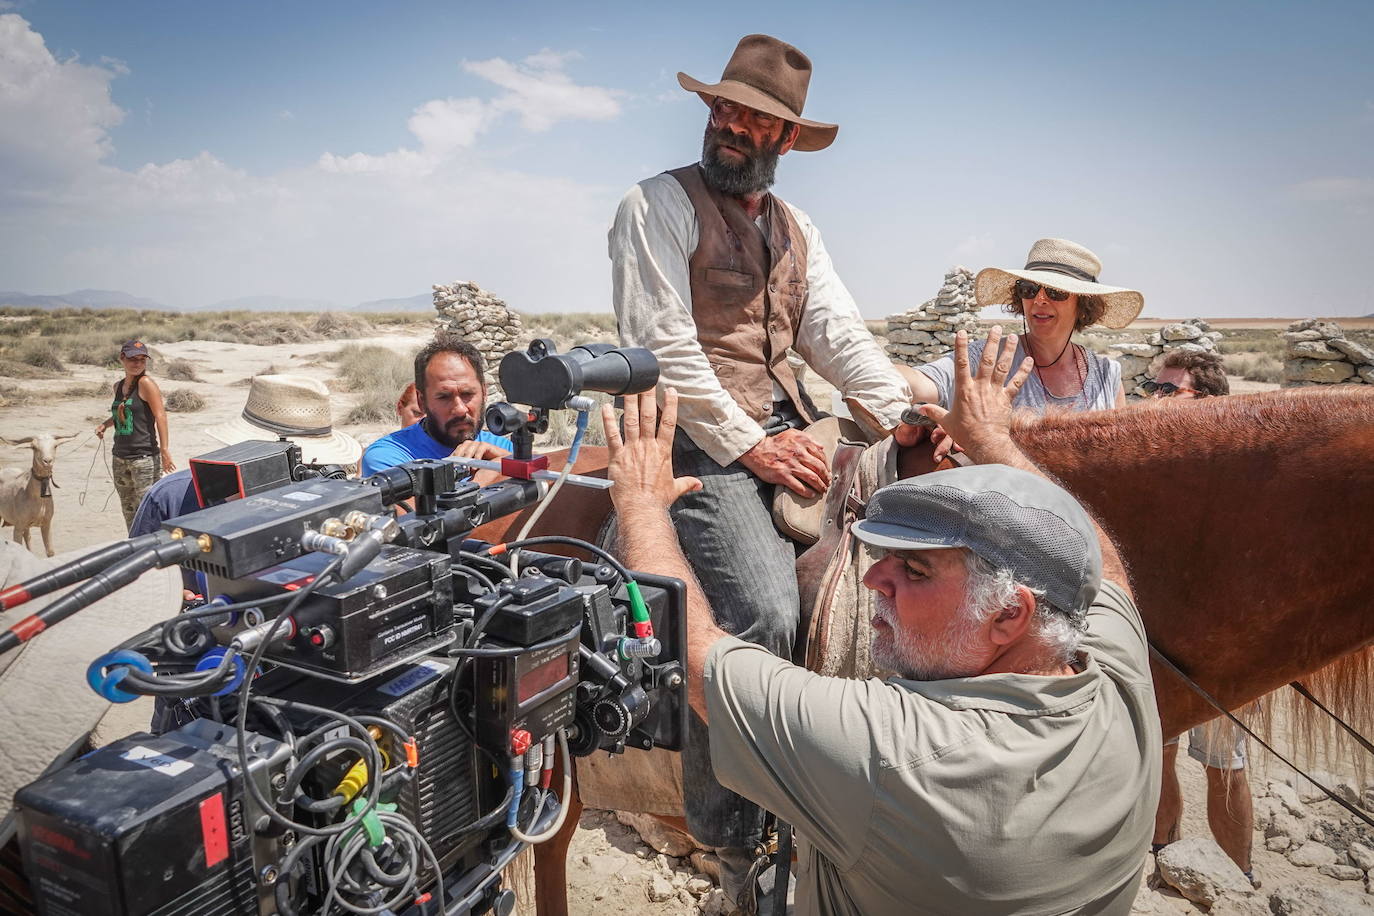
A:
[26, 495]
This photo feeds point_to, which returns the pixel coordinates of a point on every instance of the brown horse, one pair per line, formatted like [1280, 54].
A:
[1245, 524]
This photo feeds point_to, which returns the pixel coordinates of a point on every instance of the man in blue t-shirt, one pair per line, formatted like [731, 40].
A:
[452, 390]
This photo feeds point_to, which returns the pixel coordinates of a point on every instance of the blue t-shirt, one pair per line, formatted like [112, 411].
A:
[413, 442]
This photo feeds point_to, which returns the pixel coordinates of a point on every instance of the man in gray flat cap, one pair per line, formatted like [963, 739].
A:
[1013, 764]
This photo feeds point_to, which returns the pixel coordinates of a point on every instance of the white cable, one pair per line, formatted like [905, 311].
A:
[553, 491]
[563, 801]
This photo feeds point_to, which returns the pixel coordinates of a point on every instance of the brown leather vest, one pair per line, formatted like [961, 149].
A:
[747, 294]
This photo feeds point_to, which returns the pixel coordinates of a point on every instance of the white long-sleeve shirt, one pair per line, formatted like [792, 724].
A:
[651, 243]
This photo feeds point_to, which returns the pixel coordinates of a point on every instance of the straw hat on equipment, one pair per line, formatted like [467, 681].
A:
[295, 407]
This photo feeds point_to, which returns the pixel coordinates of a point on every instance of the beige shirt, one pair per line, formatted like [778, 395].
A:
[997, 794]
[651, 242]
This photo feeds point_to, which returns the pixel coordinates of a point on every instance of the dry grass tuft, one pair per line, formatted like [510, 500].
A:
[376, 374]
[13, 395]
[180, 370]
[184, 400]
[1254, 367]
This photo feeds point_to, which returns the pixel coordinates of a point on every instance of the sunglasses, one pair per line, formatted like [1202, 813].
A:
[1168, 390]
[1025, 289]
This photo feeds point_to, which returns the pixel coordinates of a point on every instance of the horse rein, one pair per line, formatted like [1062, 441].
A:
[1301, 689]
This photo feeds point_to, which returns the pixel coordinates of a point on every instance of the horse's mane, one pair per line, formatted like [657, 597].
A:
[1284, 419]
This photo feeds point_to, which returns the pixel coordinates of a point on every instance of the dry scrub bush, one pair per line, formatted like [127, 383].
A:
[184, 400]
[563, 426]
[571, 328]
[40, 355]
[180, 370]
[1254, 367]
[377, 375]
[13, 395]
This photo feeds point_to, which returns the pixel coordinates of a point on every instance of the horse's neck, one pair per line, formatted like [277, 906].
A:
[1240, 521]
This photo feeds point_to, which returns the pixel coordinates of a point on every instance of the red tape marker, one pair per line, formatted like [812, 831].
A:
[28, 628]
[212, 831]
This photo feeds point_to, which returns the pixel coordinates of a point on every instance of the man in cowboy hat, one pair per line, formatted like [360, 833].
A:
[720, 278]
[1012, 765]
[290, 406]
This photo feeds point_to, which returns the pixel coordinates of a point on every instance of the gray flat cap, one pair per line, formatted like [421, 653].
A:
[1009, 517]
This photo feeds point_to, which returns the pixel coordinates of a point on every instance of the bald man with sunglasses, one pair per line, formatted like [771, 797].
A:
[720, 278]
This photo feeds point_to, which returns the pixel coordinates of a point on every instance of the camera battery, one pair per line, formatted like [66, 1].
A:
[537, 609]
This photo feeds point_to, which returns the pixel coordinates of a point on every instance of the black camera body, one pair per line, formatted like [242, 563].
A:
[394, 742]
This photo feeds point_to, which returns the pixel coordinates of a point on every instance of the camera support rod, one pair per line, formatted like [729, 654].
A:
[595, 483]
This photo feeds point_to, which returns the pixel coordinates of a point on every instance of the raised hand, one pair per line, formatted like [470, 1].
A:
[641, 464]
[980, 409]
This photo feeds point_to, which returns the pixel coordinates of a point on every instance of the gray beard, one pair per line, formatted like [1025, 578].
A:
[753, 176]
[916, 659]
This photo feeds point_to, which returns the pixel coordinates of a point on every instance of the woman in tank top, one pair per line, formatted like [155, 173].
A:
[1055, 294]
[141, 453]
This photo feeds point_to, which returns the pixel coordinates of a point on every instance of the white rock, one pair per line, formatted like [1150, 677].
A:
[1132, 366]
[1288, 797]
[1312, 349]
[715, 904]
[1356, 352]
[699, 885]
[1180, 332]
[1294, 336]
[1306, 788]
[1314, 900]
[660, 889]
[1342, 872]
[1136, 349]
[1367, 373]
[1198, 869]
[1277, 843]
[1322, 371]
[1311, 854]
[1361, 855]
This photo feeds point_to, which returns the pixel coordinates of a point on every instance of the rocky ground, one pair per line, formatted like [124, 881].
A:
[1300, 843]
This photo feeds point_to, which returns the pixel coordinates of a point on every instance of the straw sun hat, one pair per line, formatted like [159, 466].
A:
[1062, 265]
[295, 407]
[770, 76]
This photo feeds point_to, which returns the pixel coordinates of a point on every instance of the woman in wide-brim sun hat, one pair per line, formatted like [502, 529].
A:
[1056, 294]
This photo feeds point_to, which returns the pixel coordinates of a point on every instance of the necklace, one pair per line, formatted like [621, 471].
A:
[1062, 350]
[1082, 370]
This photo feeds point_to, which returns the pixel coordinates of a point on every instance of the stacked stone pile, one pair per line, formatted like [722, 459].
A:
[482, 320]
[1319, 354]
[927, 332]
[1140, 360]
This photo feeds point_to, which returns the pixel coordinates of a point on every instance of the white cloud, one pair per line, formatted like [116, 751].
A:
[542, 94]
[57, 113]
[1321, 190]
[286, 114]
[349, 227]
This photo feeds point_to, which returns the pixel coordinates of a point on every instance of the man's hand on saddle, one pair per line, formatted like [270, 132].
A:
[981, 408]
[641, 461]
[790, 458]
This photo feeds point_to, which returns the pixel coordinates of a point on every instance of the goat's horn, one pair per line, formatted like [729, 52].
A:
[24, 441]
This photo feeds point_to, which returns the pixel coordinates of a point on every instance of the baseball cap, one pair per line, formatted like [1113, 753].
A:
[133, 348]
[1009, 517]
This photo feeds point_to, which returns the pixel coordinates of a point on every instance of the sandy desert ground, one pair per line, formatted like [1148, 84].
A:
[610, 869]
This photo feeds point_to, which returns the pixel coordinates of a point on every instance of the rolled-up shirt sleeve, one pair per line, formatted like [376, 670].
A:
[651, 243]
[803, 746]
[835, 342]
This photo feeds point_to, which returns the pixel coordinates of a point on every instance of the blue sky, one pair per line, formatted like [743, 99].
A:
[1218, 156]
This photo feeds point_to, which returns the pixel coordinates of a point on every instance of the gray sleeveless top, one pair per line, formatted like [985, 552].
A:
[1099, 388]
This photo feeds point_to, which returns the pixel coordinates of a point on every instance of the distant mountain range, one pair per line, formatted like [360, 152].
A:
[115, 299]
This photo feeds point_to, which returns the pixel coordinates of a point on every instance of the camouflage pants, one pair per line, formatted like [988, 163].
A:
[132, 478]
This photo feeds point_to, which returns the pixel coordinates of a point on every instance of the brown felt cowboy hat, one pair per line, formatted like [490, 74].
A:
[770, 76]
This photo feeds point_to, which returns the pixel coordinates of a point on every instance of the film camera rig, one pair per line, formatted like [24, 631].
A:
[410, 686]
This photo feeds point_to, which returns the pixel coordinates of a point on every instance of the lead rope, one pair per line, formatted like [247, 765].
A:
[1164, 660]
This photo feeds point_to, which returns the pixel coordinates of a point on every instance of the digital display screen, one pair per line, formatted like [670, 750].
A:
[541, 678]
